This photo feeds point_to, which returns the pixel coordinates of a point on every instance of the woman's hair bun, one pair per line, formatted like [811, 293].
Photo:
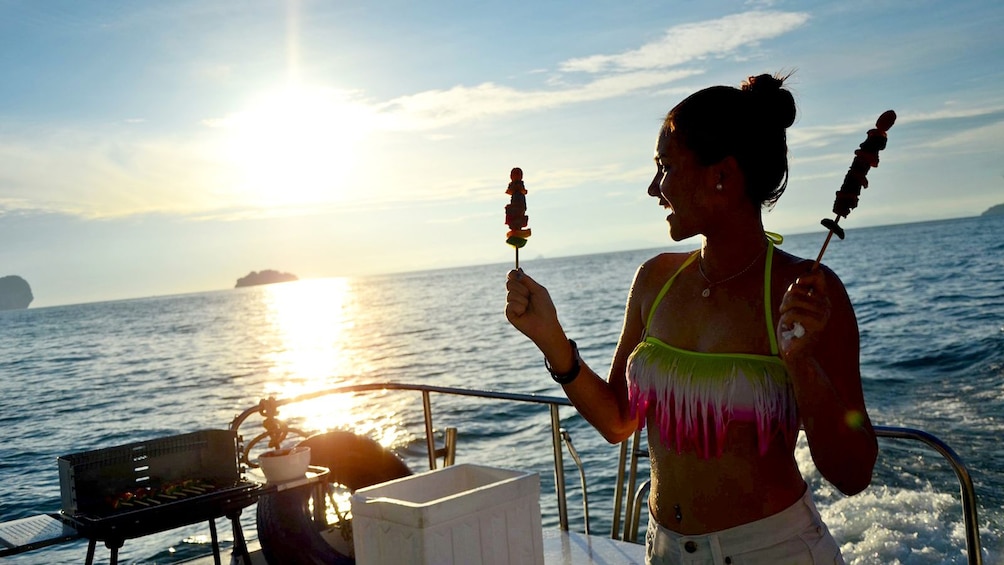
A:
[776, 103]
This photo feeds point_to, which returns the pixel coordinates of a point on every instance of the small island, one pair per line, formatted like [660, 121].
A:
[268, 276]
[997, 210]
[15, 293]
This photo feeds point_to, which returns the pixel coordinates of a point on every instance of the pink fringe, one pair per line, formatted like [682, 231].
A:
[693, 413]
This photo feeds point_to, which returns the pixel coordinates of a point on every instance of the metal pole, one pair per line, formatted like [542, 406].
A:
[619, 490]
[430, 441]
[559, 469]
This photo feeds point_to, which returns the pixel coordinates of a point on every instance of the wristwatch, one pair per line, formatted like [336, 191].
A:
[565, 378]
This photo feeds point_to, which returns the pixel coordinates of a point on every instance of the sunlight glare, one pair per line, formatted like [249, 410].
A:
[298, 145]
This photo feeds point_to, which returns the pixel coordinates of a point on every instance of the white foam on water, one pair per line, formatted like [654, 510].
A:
[891, 524]
[885, 525]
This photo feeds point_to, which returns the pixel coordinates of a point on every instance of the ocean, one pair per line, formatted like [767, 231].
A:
[929, 299]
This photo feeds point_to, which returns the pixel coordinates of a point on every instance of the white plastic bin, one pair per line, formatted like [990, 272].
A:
[463, 514]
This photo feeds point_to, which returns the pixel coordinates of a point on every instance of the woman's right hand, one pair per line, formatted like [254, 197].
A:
[529, 308]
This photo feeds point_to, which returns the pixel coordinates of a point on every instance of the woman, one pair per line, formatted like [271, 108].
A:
[725, 351]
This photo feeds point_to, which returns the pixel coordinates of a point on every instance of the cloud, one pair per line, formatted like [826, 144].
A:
[440, 108]
[694, 41]
[962, 128]
[105, 173]
[612, 76]
[958, 125]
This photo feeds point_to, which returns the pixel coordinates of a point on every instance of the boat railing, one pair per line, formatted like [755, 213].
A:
[967, 490]
[629, 457]
[268, 406]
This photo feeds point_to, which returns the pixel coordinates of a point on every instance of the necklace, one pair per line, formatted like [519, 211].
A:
[707, 290]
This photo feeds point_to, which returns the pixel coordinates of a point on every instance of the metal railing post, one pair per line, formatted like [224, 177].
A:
[559, 469]
[430, 440]
[619, 491]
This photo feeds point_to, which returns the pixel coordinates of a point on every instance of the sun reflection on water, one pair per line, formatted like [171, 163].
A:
[312, 320]
[312, 323]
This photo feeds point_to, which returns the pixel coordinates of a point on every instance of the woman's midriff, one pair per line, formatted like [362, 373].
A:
[694, 496]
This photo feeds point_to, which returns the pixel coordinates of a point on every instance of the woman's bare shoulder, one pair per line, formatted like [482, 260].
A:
[648, 281]
[788, 267]
[657, 270]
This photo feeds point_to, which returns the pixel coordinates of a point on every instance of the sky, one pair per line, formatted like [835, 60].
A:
[159, 148]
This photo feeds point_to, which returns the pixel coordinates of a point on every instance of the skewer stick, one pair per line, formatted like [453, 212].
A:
[826, 242]
[865, 157]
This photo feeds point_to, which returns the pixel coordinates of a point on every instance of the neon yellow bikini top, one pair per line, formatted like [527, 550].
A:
[696, 395]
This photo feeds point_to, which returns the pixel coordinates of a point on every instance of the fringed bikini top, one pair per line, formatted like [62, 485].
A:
[696, 395]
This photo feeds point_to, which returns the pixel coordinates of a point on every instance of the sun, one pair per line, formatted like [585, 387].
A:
[297, 145]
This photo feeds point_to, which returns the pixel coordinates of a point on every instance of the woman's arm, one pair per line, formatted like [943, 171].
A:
[603, 403]
[823, 363]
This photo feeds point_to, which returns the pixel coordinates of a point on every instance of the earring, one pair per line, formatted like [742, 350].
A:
[718, 186]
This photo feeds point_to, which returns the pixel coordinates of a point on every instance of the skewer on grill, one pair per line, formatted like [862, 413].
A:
[146, 497]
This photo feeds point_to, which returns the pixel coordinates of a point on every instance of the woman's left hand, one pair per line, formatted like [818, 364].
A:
[805, 311]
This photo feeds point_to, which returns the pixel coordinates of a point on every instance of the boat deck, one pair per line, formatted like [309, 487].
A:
[560, 548]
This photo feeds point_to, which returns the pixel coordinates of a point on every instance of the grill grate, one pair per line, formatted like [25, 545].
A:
[145, 487]
[91, 481]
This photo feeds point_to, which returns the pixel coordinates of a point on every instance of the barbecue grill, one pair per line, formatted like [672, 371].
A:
[141, 488]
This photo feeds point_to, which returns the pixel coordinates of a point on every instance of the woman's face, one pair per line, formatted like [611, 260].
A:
[681, 184]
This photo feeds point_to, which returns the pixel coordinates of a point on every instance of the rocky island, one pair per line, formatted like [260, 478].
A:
[15, 293]
[268, 276]
[997, 210]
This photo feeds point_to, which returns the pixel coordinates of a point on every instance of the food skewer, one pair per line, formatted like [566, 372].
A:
[865, 157]
[515, 212]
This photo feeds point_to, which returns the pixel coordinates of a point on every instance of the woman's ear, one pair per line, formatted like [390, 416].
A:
[730, 176]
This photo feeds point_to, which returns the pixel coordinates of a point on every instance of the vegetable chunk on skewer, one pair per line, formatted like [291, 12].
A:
[515, 212]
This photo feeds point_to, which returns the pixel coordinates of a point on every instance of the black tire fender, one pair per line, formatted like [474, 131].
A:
[286, 530]
[355, 461]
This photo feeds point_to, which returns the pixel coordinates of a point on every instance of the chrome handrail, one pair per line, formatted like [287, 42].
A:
[967, 491]
[582, 476]
[632, 534]
[974, 547]
[553, 402]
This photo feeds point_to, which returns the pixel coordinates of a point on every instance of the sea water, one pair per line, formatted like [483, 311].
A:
[929, 298]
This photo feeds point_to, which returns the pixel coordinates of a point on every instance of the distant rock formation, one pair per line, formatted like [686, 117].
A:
[15, 293]
[268, 276]
[997, 210]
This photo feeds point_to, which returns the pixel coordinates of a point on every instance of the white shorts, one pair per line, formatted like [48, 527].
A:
[795, 535]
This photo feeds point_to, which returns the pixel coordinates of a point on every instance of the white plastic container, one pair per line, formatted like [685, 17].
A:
[463, 514]
[285, 465]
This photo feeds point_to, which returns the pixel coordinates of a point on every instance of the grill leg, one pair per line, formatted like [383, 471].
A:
[320, 505]
[90, 552]
[240, 547]
[216, 541]
[113, 547]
